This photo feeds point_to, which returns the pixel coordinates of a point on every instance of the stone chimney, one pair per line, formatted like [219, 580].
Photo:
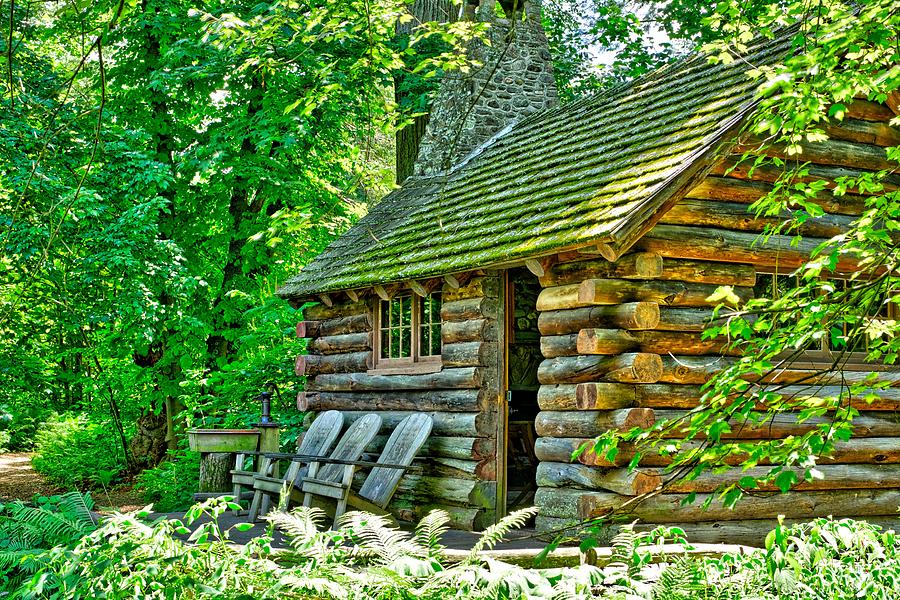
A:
[514, 79]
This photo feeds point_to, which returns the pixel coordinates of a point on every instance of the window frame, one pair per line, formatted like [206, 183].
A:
[416, 362]
[825, 357]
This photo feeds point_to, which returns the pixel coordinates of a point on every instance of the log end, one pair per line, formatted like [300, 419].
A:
[307, 329]
[646, 315]
[594, 506]
[307, 401]
[638, 417]
[637, 367]
[300, 366]
[644, 482]
[648, 264]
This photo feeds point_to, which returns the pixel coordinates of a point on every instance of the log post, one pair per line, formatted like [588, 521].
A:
[215, 469]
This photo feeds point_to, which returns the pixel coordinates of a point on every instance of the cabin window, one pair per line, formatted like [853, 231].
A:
[409, 333]
[774, 285]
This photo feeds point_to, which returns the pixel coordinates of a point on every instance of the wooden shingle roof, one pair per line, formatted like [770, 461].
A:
[594, 171]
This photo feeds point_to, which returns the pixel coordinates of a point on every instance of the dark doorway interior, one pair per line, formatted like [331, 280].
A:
[523, 358]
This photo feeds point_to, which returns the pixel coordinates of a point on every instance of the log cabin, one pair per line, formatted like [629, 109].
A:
[544, 275]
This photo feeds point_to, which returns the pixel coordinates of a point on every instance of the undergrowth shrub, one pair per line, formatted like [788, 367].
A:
[29, 530]
[171, 484]
[19, 425]
[76, 452]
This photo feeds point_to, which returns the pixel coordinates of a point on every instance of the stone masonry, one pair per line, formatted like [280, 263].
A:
[512, 78]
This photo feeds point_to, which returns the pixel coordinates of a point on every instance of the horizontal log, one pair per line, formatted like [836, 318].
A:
[437, 400]
[483, 424]
[469, 308]
[877, 133]
[606, 341]
[473, 330]
[359, 323]
[669, 508]
[704, 271]
[871, 424]
[557, 449]
[596, 396]
[746, 533]
[462, 518]
[482, 286]
[692, 369]
[638, 265]
[462, 378]
[312, 365]
[854, 451]
[585, 424]
[738, 186]
[835, 477]
[667, 293]
[463, 448]
[686, 319]
[625, 368]
[483, 470]
[560, 297]
[553, 346]
[829, 152]
[469, 354]
[631, 315]
[615, 341]
[599, 396]
[700, 369]
[341, 344]
[320, 312]
[465, 492]
[307, 329]
[764, 175]
[782, 251]
[736, 216]
[869, 111]
[620, 481]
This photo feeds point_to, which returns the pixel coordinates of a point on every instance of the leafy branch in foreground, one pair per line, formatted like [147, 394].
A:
[840, 302]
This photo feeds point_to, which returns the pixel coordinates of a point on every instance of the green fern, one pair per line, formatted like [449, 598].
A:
[27, 532]
[430, 530]
[376, 537]
[495, 533]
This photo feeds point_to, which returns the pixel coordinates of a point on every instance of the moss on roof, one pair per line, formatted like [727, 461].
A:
[582, 173]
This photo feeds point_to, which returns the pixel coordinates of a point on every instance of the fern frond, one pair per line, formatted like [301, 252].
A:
[430, 530]
[495, 533]
[376, 536]
[319, 587]
[301, 527]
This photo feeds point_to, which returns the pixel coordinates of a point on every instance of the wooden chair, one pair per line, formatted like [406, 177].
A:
[317, 441]
[336, 471]
[381, 483]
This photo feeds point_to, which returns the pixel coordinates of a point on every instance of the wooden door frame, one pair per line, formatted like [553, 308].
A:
[502, 399]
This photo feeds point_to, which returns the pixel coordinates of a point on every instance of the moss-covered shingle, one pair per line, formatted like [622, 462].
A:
[587, 172]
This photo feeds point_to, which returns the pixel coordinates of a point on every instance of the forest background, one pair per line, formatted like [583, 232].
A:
[166, 164]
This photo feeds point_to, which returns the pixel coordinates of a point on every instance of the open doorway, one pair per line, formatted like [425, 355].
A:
[523, 356]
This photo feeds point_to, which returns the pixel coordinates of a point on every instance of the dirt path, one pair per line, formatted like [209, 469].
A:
[18, 481]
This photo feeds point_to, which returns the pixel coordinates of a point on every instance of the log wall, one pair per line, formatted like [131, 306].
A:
[459, 459]
[622, 346]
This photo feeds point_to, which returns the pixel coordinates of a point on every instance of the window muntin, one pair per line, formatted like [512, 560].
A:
[409, 331]
[430, 325]
[396, 327]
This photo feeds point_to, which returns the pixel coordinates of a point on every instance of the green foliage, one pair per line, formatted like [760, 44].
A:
[366, 557]
[72, 451]
[841, 51]
[27, 532]
[171, 484]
